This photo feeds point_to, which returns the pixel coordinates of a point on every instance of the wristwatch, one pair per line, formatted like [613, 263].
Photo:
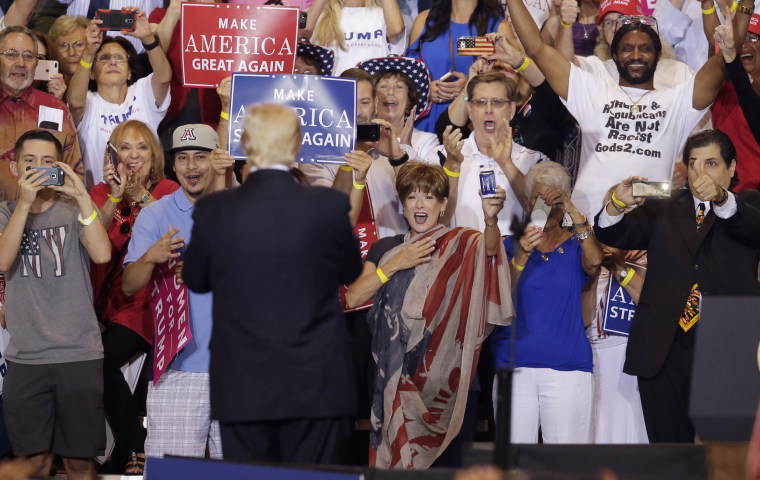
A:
[623, 273]
[144, 199]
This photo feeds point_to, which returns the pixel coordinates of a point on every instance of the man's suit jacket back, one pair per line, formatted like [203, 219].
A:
[722, 257]
[274, 253]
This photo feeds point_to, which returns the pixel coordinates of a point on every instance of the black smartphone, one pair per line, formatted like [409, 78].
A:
[113, 158]
[116, 20]
[367, 132]
[55, 175]
[302, 20]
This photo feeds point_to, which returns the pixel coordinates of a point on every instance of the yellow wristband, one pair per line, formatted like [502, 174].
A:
[628, 277]
[519, 268]
[224, 115]
[90, 219]
[359, 186]
[618, 202]
[450, 173]
[84, 64]
[524, 65]
[382, 276]
[345, 168]
[733, 6]
[561, 22]
[708, 11]
[113, 199]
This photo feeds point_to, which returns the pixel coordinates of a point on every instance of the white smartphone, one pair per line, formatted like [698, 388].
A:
[446, 76]
[45, 69]
[540, 213]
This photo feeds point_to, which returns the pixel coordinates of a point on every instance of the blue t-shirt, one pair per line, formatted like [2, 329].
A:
[549, 319]
[154, 221]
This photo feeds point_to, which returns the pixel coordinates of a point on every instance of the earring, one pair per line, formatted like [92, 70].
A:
[442, 213]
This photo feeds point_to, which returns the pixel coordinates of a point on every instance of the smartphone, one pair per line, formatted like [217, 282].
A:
[302, 20]
[476, 46]
[487, 183]
[45, 68]
[647, 189]
[367, 132]
[116, 20]
[540, 213]
[113, 158]
[448, 77]
[55, 175]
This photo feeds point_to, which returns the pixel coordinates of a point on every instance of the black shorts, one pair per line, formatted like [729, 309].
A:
[57, 406]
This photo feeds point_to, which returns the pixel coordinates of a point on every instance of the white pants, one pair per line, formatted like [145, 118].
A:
[617, 415]
[179, 417]
[558, 402]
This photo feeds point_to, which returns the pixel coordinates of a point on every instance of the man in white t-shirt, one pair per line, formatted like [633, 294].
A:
[629, 128]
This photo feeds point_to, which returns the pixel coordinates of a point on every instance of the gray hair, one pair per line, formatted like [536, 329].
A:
[549, 173]
[21, 29]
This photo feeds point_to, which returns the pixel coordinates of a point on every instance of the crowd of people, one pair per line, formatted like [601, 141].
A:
[504, 189]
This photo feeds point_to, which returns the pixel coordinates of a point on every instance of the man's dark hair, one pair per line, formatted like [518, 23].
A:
[360, 75]
[636, 27]
[43, 135]
[705, 138]
[313, 62]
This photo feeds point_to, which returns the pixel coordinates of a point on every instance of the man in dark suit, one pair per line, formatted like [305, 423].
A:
[274, 253]
[688, 257]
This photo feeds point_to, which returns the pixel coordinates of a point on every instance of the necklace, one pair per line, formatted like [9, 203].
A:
[635, 107]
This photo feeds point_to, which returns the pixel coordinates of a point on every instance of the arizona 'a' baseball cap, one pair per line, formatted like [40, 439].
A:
[196, 136]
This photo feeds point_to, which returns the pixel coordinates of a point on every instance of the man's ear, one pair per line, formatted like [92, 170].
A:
[13, 166]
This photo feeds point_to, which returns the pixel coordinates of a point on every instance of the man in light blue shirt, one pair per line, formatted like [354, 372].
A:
[178, 406]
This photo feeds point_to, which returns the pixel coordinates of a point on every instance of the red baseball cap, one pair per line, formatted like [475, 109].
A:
[754, 24]
[623, 7]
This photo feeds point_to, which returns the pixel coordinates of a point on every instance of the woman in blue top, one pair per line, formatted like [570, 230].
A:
[433, 40]
[553, 382]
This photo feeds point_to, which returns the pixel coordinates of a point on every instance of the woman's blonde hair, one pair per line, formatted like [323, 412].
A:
[65, 25]
[138, 127]
[328, 28]
[271, 135]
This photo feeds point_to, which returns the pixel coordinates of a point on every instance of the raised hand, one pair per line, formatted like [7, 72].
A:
[29, 183]
[414, 254]
[359, 161]
[166, 247]
[220, 161]
[493, 205]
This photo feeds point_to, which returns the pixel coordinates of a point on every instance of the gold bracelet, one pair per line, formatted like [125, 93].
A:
[492, 225]
[450, 173]
[519, 268]
[628, 277]
[618, 202]
[84, 64]
[113, 199]
[90, 219]
[746, 9]
[359, 186]
[562, 22]
[345, 168]
[224, 115]
[523, 65]
[382, 276]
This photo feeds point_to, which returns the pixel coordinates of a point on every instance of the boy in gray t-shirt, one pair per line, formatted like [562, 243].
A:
[53, 390]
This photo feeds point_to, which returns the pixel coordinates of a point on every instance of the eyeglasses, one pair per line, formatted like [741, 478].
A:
[106, 57]
[13, 55]
[64, 47]
[752, 38]
[126, 226]
[496, 103]
[642, 19]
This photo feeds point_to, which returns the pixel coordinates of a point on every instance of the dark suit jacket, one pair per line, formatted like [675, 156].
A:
[722, 257]
[274, 253]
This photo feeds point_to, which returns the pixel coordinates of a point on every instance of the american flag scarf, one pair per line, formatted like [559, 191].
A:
[428, 325]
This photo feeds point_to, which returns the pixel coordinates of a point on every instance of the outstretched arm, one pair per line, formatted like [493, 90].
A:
[555, 67]
[711, 76]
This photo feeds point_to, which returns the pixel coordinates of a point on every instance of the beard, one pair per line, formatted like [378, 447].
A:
[644, 78]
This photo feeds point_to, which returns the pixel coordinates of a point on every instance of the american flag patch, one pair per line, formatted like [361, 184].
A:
[474, 46]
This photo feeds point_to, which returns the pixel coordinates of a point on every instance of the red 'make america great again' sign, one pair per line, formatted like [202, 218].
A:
[219, 39]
